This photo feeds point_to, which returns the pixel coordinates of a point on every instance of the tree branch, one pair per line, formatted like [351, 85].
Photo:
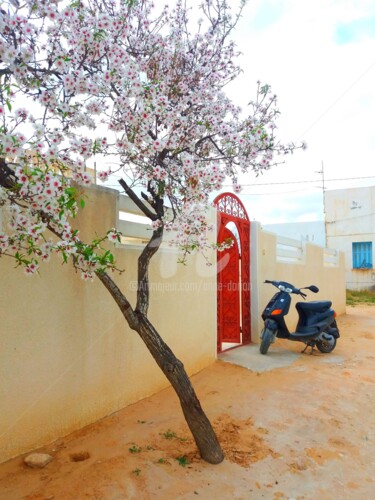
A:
[143, 293]
[120, 300]
[8, 177]
[148, 213]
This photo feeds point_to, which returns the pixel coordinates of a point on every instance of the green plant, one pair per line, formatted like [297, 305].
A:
[136, 472]
[357, 297]
[162, 461]
[135, 449]
[169, 434]
[183, 461]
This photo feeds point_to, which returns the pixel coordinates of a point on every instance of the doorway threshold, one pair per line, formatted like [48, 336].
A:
[249, 357]
[227, 346]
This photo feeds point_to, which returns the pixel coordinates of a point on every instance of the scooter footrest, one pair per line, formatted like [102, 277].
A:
[307, 330]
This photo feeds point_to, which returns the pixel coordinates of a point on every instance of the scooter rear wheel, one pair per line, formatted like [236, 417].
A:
[326, 345]
[267, 338]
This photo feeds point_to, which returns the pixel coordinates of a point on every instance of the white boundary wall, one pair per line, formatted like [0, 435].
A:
[67, 357]
[278, 258]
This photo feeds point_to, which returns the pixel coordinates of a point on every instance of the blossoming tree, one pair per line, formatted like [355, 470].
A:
[88, 79]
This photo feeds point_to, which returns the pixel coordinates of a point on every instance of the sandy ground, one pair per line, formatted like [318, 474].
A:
[305, 431]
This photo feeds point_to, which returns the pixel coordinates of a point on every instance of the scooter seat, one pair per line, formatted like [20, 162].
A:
[314, 306]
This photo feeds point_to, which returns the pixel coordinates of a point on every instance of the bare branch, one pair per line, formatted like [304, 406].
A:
[7, 176]
[150, 249]
[148, 213]
[120, 300]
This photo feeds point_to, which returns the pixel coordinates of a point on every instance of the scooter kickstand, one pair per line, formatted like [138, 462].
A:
[308, 345]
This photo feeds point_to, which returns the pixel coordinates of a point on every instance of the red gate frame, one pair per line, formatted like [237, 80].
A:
[228, 291]
[230, 209]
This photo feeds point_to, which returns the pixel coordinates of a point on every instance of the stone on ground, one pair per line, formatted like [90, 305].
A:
[37, 460]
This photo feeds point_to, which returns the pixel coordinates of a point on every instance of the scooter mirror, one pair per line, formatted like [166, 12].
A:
[313, 288]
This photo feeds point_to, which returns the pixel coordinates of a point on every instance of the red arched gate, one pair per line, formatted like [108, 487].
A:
[233, 273]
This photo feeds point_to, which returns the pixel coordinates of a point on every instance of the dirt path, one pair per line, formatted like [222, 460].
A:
[306, 431]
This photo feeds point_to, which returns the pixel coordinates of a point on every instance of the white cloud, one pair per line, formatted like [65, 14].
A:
[326, 88]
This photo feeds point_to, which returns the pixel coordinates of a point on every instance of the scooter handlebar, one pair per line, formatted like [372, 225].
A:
[291, 288]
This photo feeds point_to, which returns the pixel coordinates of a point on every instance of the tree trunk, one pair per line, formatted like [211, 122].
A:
[174, 370]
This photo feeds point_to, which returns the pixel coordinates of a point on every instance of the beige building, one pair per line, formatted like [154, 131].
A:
[350, 228]
[308, 231]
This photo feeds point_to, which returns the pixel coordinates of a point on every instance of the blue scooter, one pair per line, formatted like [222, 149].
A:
[316, 325]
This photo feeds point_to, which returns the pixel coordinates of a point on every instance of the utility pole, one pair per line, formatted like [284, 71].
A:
[324, 203]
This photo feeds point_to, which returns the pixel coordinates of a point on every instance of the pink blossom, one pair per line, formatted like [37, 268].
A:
[155, 95]
[22, 113]
[31, 268]
[112, 236]
[104, 174]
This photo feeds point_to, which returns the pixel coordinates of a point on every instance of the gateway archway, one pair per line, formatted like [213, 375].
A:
[233, 273]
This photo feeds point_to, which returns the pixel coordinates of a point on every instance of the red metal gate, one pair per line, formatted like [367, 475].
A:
[228, 277]
[233, 277]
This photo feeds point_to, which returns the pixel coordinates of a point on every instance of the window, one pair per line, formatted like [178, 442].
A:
[362, 255]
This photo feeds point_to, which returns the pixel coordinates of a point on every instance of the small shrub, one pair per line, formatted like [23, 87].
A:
[172, 435]
[135, 449]
[169, 434]
[183, 461]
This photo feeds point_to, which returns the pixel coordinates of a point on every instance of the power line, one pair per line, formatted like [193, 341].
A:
[338, 99]
[359, 216]
[284, 183]
[267, 193]
[302, 182]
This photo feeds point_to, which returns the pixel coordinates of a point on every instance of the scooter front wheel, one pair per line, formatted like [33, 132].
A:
[266, 340]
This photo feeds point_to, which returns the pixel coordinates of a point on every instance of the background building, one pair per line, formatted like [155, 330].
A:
[350, 228]
[306, 232]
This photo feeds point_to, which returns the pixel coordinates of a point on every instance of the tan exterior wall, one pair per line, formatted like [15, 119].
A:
[309, 270]
[67, 357]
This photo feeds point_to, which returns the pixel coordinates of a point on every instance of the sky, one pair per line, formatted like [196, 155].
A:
[319, 58]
